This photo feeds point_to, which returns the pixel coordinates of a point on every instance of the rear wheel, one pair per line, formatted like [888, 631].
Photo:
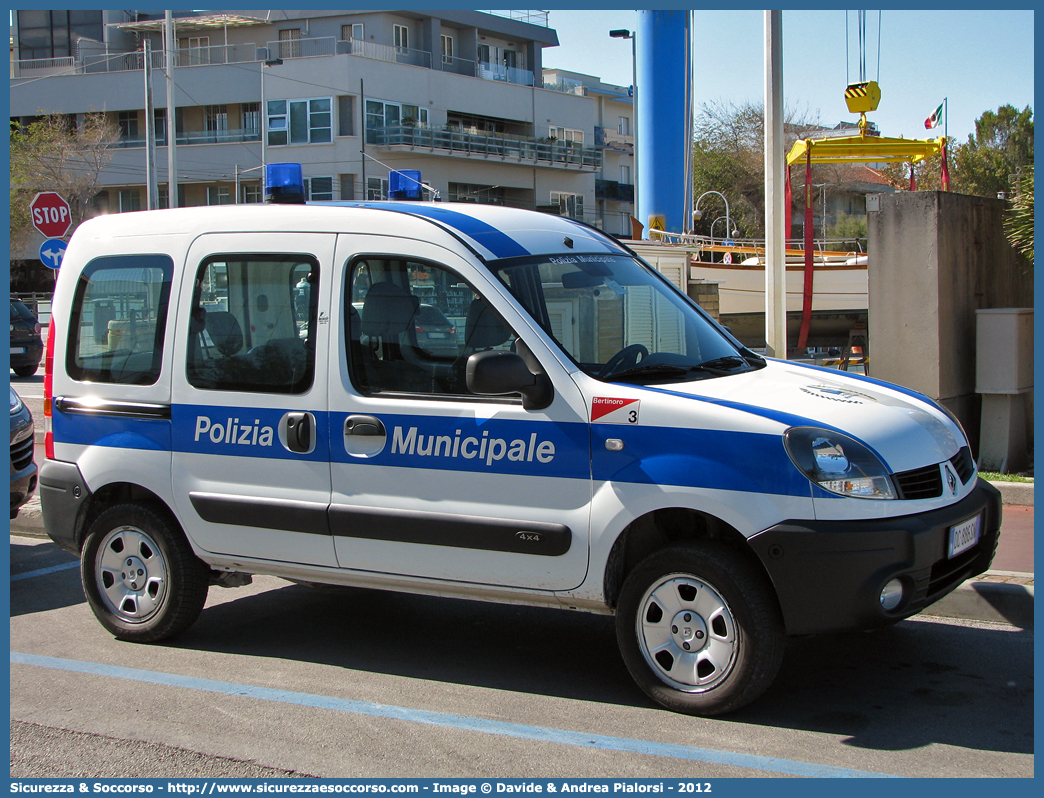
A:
[699, 629]
[26, 371]
[139, 574]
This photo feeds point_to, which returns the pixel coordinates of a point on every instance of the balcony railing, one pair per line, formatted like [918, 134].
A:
[459, 66]
[302, 48]
[224, 54]
[520, 77]
[196, 137]
[134, 62]
[40, 67]
[454, 141]
[388, 53]
[532, 17]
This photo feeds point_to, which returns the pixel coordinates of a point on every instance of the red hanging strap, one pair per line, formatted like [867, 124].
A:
[806, 303]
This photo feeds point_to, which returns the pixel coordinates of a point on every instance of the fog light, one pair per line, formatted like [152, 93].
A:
[891, 595]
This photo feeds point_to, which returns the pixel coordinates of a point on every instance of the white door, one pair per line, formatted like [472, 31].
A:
[429, 480]
[250, 435]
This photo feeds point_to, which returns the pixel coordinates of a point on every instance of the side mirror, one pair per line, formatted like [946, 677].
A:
[495, 373]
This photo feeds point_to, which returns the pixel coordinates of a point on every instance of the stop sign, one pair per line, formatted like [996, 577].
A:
[50, 214]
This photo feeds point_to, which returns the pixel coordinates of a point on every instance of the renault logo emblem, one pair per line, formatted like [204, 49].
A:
[951, 479]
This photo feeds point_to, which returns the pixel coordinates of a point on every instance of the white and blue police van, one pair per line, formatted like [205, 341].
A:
[245, 390]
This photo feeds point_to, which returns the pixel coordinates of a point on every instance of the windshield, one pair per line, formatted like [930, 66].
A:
[619, 320]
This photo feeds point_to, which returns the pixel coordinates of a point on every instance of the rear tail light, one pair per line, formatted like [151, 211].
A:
[420, 329]
[52, 333]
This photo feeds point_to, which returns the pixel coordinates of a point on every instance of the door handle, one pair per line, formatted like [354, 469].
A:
[364, 425]
[364, 436]
[298, 429]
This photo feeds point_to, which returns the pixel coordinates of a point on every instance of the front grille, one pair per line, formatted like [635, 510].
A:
[963, 464]
[921, 483]
[21, 454]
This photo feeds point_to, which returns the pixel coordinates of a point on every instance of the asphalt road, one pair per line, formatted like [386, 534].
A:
[277, 679]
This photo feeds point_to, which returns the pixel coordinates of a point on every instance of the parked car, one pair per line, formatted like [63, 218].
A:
[435, 333]
[26, 343]
[23, 468]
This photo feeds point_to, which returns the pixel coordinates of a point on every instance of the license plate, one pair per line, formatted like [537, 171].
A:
[964, 536]
[436, 335]
[17, 350]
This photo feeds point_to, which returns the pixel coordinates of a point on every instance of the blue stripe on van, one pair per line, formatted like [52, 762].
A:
[118, 432]
[486, 235]
[698, 458]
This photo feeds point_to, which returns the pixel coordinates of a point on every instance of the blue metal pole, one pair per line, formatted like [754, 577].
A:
[664, 120]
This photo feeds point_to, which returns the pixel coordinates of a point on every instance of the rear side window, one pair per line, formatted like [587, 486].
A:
[119, 318]
[253, 323]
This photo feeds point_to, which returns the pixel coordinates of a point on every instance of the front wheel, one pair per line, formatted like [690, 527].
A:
[139, 574]
[699, 629]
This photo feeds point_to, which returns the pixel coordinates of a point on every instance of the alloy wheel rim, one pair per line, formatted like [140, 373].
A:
[131, 574]
[687, 633]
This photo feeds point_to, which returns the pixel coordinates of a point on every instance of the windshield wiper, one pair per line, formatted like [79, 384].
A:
[723, 364]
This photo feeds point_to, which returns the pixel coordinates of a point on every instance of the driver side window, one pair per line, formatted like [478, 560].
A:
[412, 326]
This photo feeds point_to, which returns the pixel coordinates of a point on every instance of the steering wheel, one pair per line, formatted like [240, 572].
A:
[628, 357]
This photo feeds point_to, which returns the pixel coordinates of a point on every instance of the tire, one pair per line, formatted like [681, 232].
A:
[26, 371]
[139, 574]
[699, 629]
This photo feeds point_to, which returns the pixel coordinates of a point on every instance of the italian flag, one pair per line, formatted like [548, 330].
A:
[935, 119]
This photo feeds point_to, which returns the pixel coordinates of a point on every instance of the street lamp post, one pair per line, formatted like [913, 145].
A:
[625, 34]
[270, 62]
[697, 214]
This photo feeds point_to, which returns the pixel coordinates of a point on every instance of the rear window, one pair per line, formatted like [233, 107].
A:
[430, 315]
[119, 319]
[20, 311]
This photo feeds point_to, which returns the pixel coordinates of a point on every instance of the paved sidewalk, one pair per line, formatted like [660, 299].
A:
[1002, 594]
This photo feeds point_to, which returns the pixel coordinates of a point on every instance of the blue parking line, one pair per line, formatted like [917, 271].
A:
[65, 566]
[446, 720]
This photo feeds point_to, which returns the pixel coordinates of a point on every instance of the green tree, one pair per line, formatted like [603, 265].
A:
[54, 154]
[996, 154]
[729, 156]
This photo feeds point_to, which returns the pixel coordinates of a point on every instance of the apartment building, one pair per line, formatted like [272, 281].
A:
[461, 96]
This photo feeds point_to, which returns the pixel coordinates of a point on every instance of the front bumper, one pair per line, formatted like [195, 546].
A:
[828, 575]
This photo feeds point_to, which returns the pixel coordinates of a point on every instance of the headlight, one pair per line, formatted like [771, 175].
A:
[16, 402]
[838, 463]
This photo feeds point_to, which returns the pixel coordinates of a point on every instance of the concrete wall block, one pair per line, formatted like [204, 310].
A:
[936, 258]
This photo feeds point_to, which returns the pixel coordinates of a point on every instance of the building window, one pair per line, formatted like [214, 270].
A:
[197, 50]
[447, 49]
[251, 192]
[345, 115]
[319, 188]
[625, 126]
[252, 119]
[290, 43]
[161, 126]
[53, 34]
[402, 37]
[130, 200]
[567, 134]
[376, 188]
[347, 187]
[571, 205]
[353, 31]
[625, 174]
[219, 195]
[127, 121]
[380, 115]
[216, 118]
[300, 121]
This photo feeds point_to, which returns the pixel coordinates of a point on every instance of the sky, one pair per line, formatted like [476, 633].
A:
[976, 60]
